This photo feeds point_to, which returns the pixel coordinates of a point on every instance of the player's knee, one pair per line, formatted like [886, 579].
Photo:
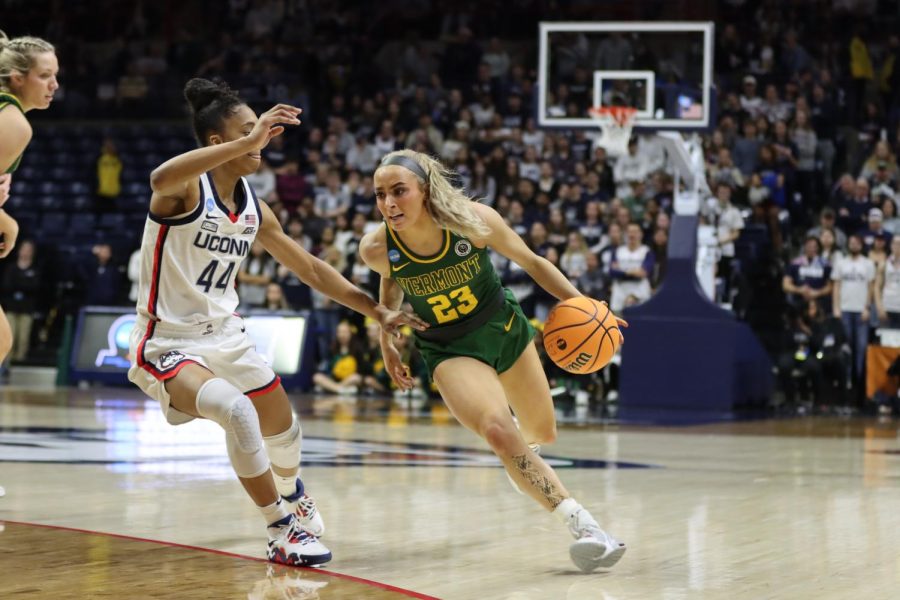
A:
[500, 435]
[545, 435]
[221, 402]
[284, 447]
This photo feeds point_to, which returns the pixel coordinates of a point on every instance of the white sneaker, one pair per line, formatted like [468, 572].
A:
[593, 547]
[289, 544]
[536, 448]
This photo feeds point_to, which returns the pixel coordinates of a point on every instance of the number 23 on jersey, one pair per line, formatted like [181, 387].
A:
[448, 307]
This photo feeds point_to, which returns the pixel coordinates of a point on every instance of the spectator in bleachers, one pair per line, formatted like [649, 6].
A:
[334, 199]
[255, 273]
[630, 269]
[21, 284]
[815, 351]
[881, 160]
[290, 188]
[339, 370]
[746, 149]
[887, 288]
[574, 260]
[891, 220]
[751, 103]
[852, 213]
[109, 177]
[725, 171]
[875, 230]
[773, 108]
[630, 168]
[102, 278]
[852, 294]
[264, 182]
[827, 221]
[729, 222]
[806, 142]
[831, 252]
[362, 156]
[809, 276]
[275, 299]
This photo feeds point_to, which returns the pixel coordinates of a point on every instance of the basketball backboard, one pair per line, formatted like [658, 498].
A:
[663, 69]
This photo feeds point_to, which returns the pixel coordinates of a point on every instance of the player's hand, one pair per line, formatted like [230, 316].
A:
[9, 232]
[392, 321]
[5, 183]
[394, 366]
[622, 323]
[271, 123]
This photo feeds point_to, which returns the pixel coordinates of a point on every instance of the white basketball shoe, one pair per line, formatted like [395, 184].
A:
[289, 544]
[593, 547]
[536, 448]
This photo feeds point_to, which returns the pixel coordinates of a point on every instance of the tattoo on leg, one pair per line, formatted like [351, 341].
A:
[530, 472]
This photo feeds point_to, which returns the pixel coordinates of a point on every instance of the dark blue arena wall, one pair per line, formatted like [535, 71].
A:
[686, 358]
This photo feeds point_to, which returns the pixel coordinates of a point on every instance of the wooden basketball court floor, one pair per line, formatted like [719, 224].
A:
[105, 500]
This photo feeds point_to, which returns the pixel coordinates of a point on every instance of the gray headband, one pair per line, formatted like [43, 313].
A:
[407, 163]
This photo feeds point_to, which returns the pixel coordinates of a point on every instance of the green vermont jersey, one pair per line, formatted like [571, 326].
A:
[448, 287]
[6, 100]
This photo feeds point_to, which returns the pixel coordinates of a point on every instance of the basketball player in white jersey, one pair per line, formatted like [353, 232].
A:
[189, 349]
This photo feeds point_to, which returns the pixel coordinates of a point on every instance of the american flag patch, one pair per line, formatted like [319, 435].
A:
[250, 219]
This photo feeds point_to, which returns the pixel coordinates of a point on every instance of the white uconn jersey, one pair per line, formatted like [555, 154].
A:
[189, 263]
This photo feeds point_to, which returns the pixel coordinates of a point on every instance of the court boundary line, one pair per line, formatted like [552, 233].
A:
[362, 580]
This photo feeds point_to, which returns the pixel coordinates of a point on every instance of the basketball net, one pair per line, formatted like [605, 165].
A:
[615, 123]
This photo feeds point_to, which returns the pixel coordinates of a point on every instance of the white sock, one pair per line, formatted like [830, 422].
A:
[565, 509]
[273, 512]
[286, 486]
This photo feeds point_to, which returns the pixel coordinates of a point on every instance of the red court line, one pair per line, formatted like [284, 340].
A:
[377, 584]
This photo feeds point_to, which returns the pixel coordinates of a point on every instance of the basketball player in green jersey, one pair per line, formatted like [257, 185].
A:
[28, 69]
[432, 250]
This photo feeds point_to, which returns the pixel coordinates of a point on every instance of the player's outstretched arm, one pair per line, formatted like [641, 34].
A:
[321, 276]
[173, 176]
[508, 243]
[373, 251]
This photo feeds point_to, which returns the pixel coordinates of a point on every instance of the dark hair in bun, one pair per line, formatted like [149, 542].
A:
[211, 103]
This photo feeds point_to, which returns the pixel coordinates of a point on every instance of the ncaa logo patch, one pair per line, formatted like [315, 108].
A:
[394, 256]
[463, 248]
[210, 204]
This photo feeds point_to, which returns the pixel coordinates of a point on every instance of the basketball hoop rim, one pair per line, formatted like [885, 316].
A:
[623, 116]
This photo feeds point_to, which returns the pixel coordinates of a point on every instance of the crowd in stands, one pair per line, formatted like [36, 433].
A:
[802, 158]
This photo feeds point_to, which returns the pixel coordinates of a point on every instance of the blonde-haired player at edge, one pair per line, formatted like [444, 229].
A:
[189, 350]
[479, 349]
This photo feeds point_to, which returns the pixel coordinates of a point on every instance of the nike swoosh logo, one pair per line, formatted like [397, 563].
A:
[211, 216]
[403, 266]
[509, 325]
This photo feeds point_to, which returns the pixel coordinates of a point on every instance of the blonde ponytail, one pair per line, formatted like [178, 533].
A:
[17, 56]
[448, 205]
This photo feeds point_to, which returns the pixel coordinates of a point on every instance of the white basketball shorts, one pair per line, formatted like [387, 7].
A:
[158, 352]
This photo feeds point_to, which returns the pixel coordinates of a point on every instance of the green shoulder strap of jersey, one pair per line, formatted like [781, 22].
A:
[7, 99]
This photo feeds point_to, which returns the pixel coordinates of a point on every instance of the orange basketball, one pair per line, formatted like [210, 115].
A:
[581, 335]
